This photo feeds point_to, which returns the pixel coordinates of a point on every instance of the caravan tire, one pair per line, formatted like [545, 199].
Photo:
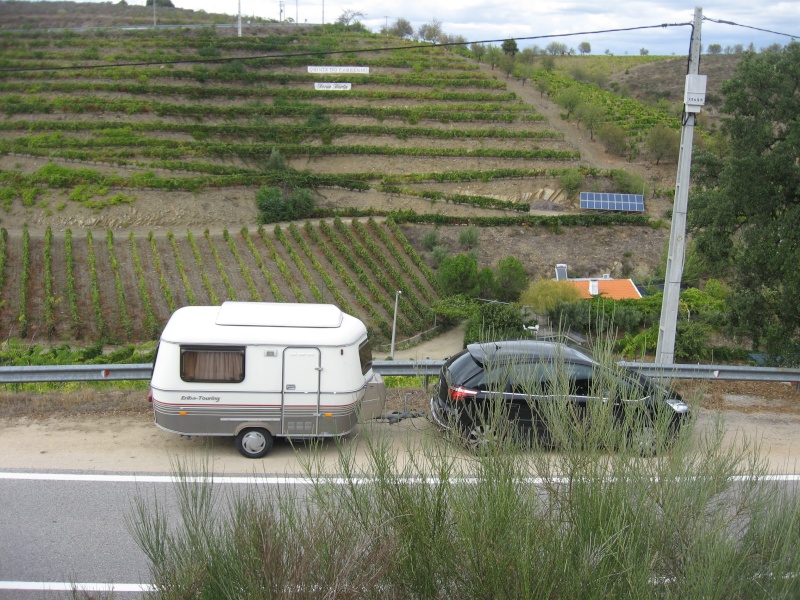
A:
[254, 442]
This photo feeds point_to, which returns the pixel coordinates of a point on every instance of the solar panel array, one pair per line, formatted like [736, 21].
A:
[608, 201]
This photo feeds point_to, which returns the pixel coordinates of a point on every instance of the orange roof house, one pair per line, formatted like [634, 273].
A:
[616, 289]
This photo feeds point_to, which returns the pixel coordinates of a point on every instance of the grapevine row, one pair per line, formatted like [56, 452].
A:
[75, 324]
[399, 258]
[375, 317]
[150, 320]
[220, 266]
[212, 297]
[251, 286]
[179, 263]
[282, 267]
[122, 304]
[276, 292]
[162, 280]
[398, 283]
[23, 282]
[362, 275]
[97, 306]
[281, 237]
[414, 255]
[49, 299]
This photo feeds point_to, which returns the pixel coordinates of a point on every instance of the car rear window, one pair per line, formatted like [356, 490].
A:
[462, 369]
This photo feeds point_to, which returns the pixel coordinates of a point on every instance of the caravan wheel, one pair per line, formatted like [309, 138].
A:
[254, 443]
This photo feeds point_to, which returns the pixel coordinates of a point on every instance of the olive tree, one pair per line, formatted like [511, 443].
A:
[745, 209]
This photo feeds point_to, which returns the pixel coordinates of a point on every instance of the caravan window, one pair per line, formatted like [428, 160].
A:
[365, 355]
[212, 364]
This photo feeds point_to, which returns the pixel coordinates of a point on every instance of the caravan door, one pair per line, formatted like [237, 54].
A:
[300, 398]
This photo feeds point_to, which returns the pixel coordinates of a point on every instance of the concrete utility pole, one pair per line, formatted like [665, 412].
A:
[694, 98]
[240, 18]
[154, 13]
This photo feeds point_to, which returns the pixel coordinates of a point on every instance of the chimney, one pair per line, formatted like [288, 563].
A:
[593, 287]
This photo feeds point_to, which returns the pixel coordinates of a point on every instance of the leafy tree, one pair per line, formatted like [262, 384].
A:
[478, 50]
[402, 28]
[486, 284]
[493, 55]
[592, 116]
[510, 279]
[569, 98]
[459, 275]
[664, 142]
[349, 17]
[715, 49]
[542, 86]
[543, 295]
[613, 138]
[644, 51]
[746, 218]
[494, 321]
[507, 64]
[430, 32]
[585, 48]
[161, 3]
[572, 181]
[556, 49]
[510, 48]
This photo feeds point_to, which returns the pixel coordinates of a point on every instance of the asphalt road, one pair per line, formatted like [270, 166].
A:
[63, 528]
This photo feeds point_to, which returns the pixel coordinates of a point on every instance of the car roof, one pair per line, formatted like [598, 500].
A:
[526, 351]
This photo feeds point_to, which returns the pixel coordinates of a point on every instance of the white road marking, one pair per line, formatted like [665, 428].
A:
[61, 586]
[289, 480]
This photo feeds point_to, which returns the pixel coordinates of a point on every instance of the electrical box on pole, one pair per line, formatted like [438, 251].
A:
[694, 98]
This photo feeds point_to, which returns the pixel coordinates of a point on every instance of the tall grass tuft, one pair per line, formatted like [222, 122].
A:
[581, 514]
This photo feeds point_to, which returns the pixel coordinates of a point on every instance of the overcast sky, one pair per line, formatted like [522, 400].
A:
[495, 19]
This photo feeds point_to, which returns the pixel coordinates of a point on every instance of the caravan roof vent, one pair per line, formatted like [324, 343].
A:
[606, 275]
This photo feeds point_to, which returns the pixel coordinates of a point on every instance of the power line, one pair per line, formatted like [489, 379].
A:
[334, 52]
[722, 21]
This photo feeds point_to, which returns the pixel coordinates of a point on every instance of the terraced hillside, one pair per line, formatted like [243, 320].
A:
[130, 161]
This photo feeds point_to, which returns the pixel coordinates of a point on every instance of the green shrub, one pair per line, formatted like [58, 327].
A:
[430, 239]
[469, 237]
[459, 275]
[510, 279]
[572, 181]
[494, 321]
[543, 295]
[628, 182]
[209, 51]
[275, 206]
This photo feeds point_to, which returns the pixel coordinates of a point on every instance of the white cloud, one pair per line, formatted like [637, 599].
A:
[495, 19]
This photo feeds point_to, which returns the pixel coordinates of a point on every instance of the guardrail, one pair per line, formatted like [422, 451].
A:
[421, 368]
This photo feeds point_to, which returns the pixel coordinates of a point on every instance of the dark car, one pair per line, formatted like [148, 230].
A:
[525, 381]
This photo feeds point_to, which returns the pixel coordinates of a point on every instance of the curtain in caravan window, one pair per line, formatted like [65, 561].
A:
[217, 365]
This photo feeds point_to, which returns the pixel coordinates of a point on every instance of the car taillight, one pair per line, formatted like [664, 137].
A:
[459, 393]
[150, 396]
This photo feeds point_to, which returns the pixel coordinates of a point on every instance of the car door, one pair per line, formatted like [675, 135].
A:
[530, 386]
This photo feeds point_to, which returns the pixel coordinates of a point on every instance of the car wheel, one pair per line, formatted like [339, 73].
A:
[480, 438]
[644, 440]
[254, 442]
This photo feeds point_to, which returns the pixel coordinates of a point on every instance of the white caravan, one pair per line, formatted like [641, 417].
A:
[258, 370]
